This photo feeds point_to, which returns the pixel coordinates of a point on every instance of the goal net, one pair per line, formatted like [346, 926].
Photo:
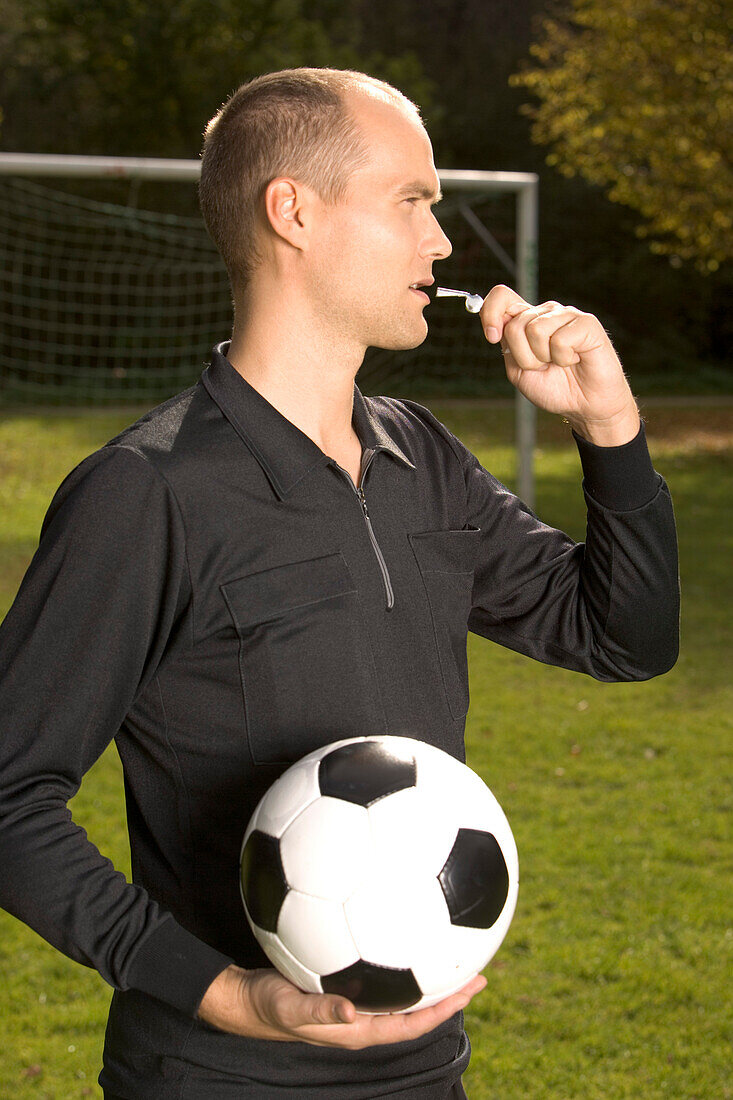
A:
[103, 302]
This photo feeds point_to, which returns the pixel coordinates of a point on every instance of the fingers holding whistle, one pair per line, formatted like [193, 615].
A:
[562, 360]
[533, 337]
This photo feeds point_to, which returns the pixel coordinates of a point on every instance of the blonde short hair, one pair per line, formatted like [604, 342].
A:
[289, 123]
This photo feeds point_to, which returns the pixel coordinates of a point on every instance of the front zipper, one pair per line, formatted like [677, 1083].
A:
[366, 461]
[377, 551]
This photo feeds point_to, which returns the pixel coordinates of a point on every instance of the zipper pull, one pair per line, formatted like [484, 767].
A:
[362, 498]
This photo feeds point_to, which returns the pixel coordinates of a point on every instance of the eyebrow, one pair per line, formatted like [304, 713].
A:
[421, 190]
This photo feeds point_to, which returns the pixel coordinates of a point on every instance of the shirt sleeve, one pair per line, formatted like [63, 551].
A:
[608, 606]
[105, 590]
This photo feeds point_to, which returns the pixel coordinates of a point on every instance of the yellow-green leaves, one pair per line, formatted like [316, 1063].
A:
[637, 97]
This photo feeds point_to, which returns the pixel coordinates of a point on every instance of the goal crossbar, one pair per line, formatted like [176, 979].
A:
[523, 270]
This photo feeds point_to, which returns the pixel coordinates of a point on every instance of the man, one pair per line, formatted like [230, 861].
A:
[208, 591]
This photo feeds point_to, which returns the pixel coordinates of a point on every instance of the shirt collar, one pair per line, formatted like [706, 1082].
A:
[284, 452]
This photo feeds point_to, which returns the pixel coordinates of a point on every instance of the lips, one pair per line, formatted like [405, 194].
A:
[425, 288]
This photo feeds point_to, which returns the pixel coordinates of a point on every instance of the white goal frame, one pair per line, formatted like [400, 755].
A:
[522, 269]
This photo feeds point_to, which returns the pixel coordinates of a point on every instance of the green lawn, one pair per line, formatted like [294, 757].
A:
[614, 980]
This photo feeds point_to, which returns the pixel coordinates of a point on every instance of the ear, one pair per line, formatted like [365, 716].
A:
[288, 206]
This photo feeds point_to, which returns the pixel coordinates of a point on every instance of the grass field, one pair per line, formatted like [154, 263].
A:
[614, 980]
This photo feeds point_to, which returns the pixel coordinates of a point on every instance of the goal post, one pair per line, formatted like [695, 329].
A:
[30, 280]
[526, 187]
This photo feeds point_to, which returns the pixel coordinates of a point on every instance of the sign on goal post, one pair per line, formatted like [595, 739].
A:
[105, 303]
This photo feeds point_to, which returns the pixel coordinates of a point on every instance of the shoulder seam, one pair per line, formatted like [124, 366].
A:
[445, 434]
[159, 473]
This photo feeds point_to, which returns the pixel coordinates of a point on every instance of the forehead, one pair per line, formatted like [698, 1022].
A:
[400, 152]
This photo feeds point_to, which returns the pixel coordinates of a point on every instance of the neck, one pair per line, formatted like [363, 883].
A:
[299, 364]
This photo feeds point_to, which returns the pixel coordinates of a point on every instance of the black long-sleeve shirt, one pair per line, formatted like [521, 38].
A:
[209, 591]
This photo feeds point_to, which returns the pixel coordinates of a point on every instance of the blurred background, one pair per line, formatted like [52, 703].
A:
[625, 111]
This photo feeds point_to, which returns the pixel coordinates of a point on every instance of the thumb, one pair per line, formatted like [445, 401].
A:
[332, 1010]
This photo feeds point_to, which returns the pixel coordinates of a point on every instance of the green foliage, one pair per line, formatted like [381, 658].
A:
[637, 96]
[142, 77]
[613, 981]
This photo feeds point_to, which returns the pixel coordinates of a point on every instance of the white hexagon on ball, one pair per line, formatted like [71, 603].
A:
[288, 796]
[408, 835]
[315, 932]
[325, 850]
[396, 918]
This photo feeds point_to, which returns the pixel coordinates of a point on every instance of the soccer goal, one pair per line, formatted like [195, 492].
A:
[109, 298]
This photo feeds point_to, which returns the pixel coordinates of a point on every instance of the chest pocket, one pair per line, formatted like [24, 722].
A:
[306, 665]
[446, 560]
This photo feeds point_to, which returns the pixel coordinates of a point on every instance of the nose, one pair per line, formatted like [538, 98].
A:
[435, 243]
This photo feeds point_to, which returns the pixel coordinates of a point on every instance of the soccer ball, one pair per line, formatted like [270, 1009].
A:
[381, 869]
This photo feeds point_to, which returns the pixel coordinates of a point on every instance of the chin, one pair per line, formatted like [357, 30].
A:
[402, 341]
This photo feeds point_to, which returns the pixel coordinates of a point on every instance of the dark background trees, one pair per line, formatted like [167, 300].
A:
[143, 77]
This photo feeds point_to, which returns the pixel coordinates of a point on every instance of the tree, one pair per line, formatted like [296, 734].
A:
[637, 96]
[144, 76]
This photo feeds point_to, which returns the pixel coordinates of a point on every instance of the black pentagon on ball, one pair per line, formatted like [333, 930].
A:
[365, 771]
[263, 879]
[374, 988]
[475, 879]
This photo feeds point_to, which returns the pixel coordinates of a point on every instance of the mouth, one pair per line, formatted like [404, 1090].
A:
[418, 288]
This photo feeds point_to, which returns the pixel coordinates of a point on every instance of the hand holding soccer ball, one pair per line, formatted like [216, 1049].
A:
[262, 1004]
[380, 869]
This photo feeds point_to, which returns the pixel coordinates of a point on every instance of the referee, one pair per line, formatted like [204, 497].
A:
[270, 561]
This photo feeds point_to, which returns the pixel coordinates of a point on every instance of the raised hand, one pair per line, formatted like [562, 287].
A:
[563, 361]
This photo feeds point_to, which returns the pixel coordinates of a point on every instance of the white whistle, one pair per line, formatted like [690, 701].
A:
[473, 301]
